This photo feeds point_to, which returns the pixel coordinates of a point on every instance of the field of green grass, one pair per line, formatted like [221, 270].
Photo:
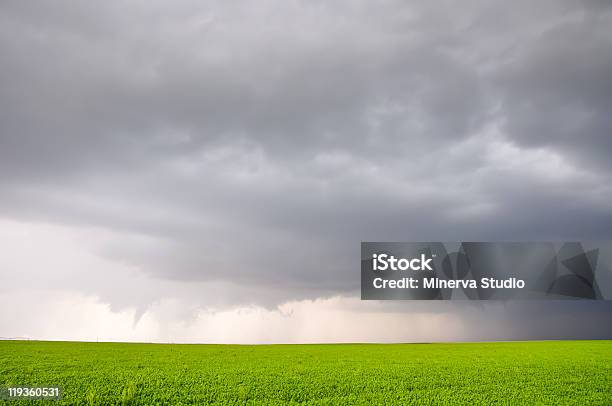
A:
[553, 372]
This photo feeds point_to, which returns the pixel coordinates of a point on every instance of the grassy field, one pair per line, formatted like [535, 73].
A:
[561, 372]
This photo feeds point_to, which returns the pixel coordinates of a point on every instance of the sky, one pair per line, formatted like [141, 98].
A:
[204, 171]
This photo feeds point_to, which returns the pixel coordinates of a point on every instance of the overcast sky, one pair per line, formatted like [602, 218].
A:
[205, 171]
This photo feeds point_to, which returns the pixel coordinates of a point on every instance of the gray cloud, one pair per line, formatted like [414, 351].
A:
[223, 132]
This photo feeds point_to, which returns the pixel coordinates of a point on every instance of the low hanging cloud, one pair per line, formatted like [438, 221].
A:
[228, 155]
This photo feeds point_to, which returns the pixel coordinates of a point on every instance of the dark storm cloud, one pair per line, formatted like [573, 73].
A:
[560, 85]
[230, 131]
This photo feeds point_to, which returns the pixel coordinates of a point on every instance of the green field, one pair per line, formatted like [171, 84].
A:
[553, 372]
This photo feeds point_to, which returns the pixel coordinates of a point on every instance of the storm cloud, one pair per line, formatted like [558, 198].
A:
[230, 154]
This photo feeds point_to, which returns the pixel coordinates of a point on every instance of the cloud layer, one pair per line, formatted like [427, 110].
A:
[228, 154]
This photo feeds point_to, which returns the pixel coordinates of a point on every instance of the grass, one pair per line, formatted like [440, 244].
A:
[553, 372]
